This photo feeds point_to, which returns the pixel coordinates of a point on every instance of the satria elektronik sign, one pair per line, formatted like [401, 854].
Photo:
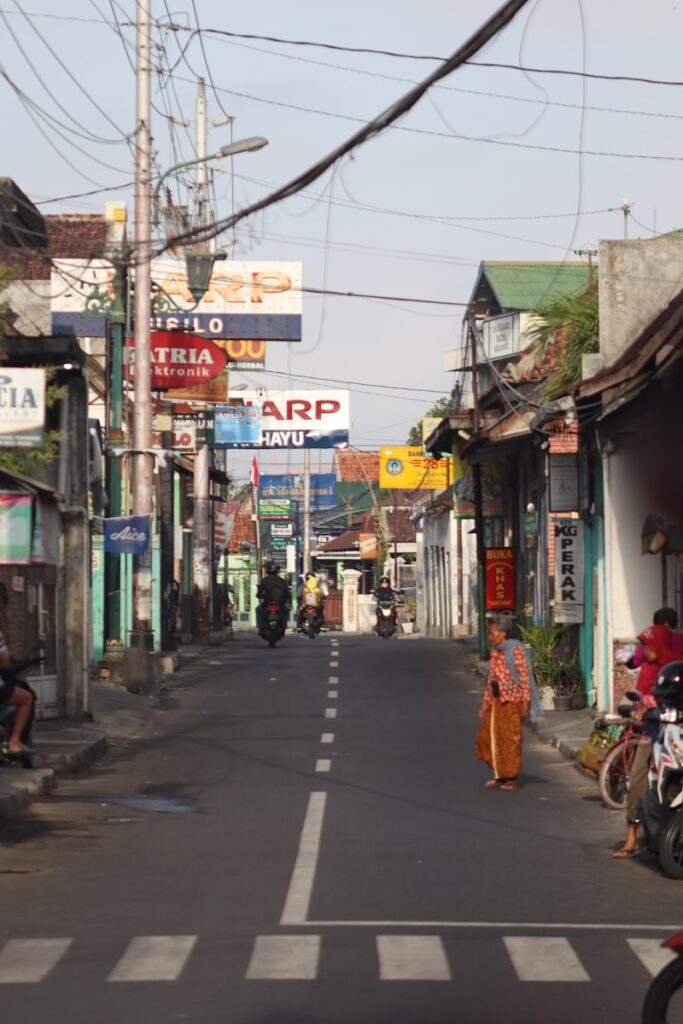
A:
[180, 360]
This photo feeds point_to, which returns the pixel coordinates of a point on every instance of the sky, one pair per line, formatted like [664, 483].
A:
[493, 163]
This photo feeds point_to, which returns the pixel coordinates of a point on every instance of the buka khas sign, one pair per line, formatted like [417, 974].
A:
[180, 360]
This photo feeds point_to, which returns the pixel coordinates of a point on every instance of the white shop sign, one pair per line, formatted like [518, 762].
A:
[568, 570]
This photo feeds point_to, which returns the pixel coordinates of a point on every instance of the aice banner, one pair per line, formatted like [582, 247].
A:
[300, 419]
[127, 535]
[568, 570]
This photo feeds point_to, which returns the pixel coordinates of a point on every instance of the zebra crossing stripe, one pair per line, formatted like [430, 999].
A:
[154, 958]
[284, 958]
[412, 958]
[30, 960]
[544, 959]
[651, 954]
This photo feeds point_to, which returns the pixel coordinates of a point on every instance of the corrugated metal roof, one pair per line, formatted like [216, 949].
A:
[524, 285]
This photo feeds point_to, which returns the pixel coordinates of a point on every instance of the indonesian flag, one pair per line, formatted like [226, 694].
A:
[253, 476]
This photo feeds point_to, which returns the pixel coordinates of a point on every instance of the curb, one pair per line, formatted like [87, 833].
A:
[19, 788]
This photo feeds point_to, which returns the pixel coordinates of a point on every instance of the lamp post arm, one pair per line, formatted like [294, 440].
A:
[172, 170]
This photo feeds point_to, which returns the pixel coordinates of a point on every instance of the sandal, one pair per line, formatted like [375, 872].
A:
[624, 853]
[18, 751]
[491, 783]
[509, 786]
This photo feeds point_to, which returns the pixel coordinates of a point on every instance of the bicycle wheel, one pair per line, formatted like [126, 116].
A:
[658, 1007]
[614, 773]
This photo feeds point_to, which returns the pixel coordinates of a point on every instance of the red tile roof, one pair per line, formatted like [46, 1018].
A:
[70, 236]
[244, 531]
[358, 467]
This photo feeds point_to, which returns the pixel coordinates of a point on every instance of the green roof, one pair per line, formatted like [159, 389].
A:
[524, 285]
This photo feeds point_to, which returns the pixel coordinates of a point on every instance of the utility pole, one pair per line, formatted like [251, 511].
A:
[140, 666]
[478, 503]
[307, 510]
[201, 519]
[626, 207]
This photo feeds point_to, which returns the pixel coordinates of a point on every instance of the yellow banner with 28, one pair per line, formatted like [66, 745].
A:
[409, 469]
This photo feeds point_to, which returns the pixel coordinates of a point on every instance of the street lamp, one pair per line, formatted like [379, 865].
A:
[249, 145]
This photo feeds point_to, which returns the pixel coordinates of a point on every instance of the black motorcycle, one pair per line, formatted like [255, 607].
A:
[311, 621]
[386, 617]
[273, 628]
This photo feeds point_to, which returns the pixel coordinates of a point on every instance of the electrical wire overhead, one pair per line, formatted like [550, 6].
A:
[488, 30]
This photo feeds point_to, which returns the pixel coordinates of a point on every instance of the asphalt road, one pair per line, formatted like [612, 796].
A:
[302, 837]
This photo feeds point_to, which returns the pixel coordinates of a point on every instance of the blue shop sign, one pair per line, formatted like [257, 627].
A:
[127, 535]
[237, 425]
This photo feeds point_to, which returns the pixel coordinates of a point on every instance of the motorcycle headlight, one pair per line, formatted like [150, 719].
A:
[668, 715]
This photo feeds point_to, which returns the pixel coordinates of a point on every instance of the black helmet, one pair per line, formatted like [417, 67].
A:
[384, 579]
[669, 685]
[309, 576]
[272, 567]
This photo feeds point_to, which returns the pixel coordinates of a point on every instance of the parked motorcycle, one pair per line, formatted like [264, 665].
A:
[273, 628]
[664, 998]
[663, 817]
[386, 617]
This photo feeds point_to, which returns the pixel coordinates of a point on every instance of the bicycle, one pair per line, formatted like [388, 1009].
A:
[615, 770]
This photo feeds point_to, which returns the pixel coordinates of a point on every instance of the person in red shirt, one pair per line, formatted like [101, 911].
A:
[660, 645]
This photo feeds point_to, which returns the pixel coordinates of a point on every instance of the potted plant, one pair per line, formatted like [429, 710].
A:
[547, 667]
[409, 615]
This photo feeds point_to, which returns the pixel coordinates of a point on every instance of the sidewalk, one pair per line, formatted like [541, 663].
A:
[64, 747]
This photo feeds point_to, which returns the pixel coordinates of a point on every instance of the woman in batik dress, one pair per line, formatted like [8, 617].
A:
[510, 694]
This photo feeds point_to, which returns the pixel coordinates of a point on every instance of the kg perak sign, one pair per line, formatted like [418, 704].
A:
[568, 570]
[22, 407]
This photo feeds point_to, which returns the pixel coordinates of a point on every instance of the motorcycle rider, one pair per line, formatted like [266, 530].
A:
[384, 592]
[273, 590]
[310, 587]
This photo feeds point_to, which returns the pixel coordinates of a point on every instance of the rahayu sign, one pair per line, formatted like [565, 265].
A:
[127, 535]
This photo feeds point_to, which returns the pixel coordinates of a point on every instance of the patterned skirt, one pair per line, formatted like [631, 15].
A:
[499, 739]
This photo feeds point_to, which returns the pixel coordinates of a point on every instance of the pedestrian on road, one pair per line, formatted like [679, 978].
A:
[659, 645]
[510, 695]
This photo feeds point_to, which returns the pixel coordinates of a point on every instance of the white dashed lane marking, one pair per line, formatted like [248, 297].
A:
[330, 712]
[30, 960]
[327, 737]
[332, 694]
[284, 958]
[323, 764]
[154, 958]
[651, 955]
[412, 958]
[544, 959]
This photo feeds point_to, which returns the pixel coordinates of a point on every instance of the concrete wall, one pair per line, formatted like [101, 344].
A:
[634, 580]
[439, 575]
[637, 281]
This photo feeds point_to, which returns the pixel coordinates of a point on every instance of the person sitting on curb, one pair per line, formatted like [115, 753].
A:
[11, 694]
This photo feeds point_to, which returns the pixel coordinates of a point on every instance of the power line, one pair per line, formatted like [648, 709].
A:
[536, 147]
[453, 88]
[362, 383]
[429, 57]
[488, 30]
